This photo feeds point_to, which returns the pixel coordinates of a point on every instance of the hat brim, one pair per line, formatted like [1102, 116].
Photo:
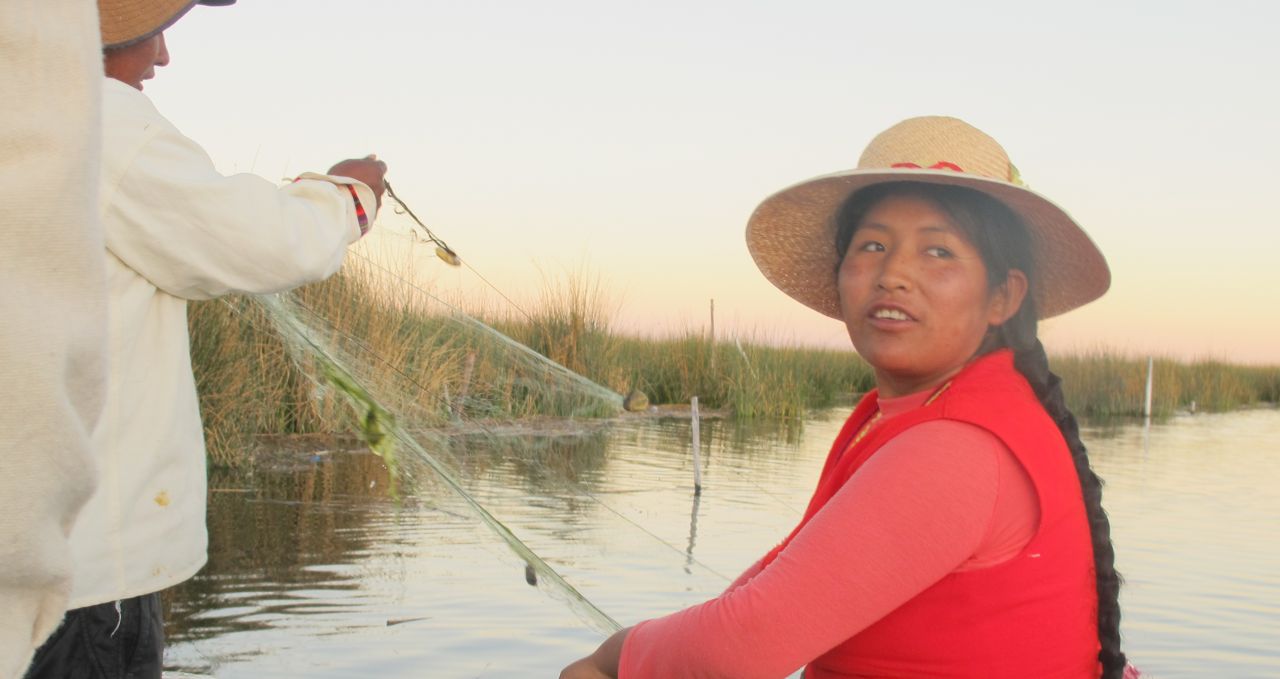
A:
[128, 22]
[792, 238]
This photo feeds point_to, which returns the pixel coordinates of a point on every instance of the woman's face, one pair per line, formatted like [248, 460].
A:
[915, 297]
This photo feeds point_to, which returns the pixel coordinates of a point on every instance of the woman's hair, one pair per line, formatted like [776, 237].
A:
[1004, 243]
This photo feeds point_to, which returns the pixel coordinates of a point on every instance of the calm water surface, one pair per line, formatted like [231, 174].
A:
[314, 571]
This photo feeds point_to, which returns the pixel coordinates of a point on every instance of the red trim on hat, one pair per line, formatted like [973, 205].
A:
[940, 165]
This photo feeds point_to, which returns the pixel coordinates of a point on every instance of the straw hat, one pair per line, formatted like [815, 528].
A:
[125, 22]
[792, 234]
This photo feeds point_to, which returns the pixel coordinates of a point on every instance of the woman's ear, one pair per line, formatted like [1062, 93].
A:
[1007, 298]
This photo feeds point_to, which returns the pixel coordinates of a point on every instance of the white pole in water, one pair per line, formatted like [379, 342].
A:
[1146, 407]
[697, 446]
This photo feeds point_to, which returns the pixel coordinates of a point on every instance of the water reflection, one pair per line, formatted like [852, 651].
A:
[693, 533]
[314, 570]
[283, 542]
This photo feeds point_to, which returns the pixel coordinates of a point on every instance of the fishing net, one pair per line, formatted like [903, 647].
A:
[383, 413]
[370, 357]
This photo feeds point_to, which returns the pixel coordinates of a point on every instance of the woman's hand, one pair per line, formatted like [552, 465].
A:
[603, 664]
[583, 669]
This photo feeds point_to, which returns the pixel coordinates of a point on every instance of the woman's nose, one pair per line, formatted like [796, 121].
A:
[895, 272]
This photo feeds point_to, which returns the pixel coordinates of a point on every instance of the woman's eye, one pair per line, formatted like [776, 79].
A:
[869, 246]
[940, 252]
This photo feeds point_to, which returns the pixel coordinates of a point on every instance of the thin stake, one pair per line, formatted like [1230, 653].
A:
[697, 446]
[1146, 408]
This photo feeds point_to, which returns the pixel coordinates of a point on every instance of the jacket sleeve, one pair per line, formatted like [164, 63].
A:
[196, 234]
[52, 300]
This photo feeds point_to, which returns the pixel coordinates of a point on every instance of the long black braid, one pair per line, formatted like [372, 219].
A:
[1005, 244]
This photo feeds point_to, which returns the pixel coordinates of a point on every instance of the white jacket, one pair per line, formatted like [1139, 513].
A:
[178, 230]
[53, 325]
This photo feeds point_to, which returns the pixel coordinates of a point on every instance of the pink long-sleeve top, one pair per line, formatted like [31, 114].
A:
[944, 496]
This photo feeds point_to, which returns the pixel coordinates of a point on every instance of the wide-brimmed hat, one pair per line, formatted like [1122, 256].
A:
[792, 234]
[125, 22]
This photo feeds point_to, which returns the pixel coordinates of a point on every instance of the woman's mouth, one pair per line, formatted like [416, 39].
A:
[889, 313]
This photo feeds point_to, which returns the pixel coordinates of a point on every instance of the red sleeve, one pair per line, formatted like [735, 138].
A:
[918, 510]
[751, 572]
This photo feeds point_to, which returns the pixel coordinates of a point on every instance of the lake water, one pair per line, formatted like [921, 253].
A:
[315, 571]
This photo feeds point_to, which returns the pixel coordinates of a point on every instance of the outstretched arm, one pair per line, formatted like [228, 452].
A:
[911, 515]
[195, 233]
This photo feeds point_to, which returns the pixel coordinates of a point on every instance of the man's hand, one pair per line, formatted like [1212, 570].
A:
[368, 169]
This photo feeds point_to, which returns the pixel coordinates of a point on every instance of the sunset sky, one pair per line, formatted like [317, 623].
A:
[631, 140]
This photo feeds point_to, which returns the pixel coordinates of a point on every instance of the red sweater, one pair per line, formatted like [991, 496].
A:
[929, 600]
[1032, 616]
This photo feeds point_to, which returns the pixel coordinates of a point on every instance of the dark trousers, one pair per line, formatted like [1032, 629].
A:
[103, 642]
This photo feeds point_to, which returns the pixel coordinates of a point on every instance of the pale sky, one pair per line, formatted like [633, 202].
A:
[633, 139]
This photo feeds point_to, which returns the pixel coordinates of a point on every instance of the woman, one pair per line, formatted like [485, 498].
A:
[957, 529]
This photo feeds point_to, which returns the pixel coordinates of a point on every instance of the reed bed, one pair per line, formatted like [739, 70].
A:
[571, 324]
[437, 366]
[249, 383]
[1107, 384]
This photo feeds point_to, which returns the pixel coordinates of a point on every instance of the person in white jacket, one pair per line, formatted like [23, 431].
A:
[175, 230]
[52, 296]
